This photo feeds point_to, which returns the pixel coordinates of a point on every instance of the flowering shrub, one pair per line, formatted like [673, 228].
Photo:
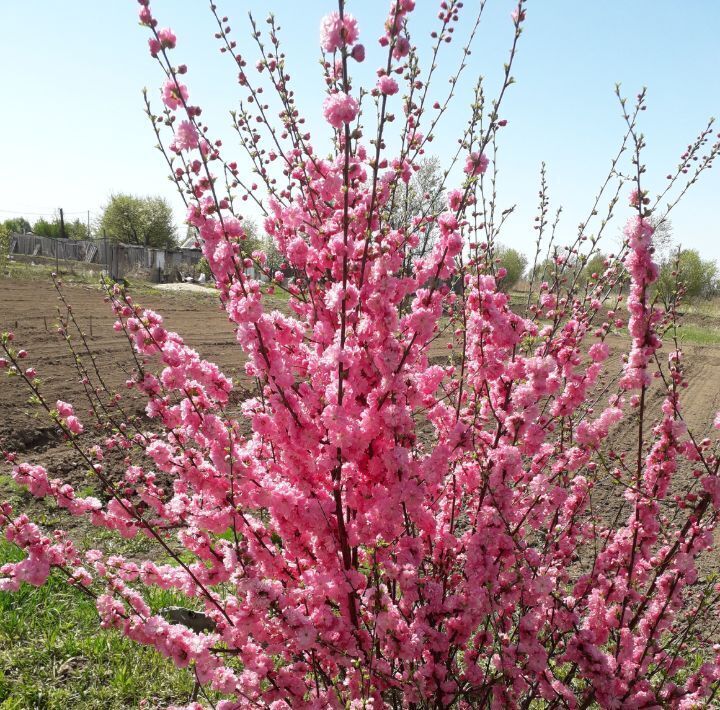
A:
[400, 528]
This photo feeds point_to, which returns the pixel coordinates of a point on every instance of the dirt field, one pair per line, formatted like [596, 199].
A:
[29, 308]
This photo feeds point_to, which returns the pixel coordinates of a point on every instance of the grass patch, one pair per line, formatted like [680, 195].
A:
[697, 334]
[21, 270]
[53, 653]
[709, 307]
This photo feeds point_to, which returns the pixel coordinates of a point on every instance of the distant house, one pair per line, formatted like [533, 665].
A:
[192, 238]
[191, 241]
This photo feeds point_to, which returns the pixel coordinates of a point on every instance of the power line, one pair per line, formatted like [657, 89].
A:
[54, 213]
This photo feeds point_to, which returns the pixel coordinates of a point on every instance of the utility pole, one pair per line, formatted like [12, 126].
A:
[62, 224]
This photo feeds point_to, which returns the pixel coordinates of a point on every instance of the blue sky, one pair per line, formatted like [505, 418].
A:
[74, 129]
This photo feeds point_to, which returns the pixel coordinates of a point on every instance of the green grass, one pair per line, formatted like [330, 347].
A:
[43, 268]
[697, 334]
[703, 307]
[53, 653]
[71, 273]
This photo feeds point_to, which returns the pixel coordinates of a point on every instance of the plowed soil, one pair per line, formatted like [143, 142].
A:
[29, 308]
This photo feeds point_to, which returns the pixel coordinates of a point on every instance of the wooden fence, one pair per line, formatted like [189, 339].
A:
[119, 260]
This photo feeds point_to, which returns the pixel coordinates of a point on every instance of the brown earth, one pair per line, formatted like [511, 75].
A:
[699, 402]
[29, 308]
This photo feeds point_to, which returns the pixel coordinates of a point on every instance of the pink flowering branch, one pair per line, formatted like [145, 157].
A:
[381, 524]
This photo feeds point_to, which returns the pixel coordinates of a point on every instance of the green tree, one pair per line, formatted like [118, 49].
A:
[594, 265]
[698, 277]
[17, 225]
[514, 264]
[73, 230]
[146, 221]
[424, 195]
[4, 244]
[44, 228]
[77, 229]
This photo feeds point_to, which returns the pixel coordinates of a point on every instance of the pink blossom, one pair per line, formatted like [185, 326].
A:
[476, 164]
[455, 199]
[334, 33]
[339, 108]
[643, 318]
[73, 424]
[599, 352]
[167, 38]
[358, 53]
[186, 136]
[402, 47]
[387, 85]
[64, 409]
[297, 252]
[174, 94]
[447, 222]
[416, 495]
[145, 15]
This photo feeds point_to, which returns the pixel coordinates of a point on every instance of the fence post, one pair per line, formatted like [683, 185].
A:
[107, 264]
